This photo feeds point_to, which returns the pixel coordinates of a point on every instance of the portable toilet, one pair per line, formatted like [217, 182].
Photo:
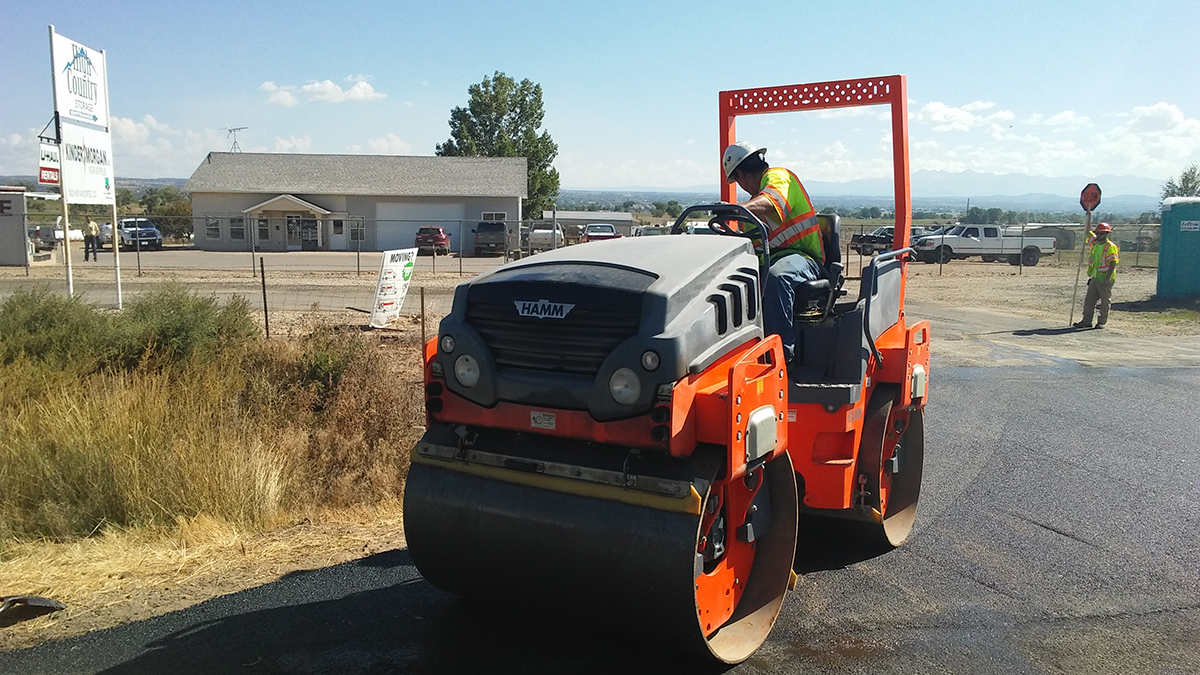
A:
[1179, 248]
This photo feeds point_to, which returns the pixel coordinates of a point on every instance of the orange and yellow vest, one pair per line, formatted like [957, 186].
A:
[1103, 259]
[794, 229]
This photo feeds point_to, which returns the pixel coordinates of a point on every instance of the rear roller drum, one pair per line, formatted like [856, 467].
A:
[700, 577]
[891, 461]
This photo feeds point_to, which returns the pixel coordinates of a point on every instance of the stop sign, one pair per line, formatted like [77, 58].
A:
[1089, 199]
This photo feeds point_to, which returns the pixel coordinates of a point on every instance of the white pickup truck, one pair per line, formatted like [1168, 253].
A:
[987, 241]
[543, 236]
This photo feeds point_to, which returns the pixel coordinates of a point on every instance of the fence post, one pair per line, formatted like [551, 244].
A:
[422, 317]
[1020, 254]
[461, 247]
[262, 275]
[1137, 246]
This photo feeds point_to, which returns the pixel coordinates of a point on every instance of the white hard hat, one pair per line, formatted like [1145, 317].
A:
[734, 155]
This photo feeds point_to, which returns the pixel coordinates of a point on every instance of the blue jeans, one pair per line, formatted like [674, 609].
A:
[779, 294]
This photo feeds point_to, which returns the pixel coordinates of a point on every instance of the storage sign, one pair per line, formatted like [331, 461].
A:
[48, 164]
[395, 272]
[79, 81]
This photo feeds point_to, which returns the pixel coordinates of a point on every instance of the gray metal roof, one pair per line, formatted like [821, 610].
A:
[375, 175]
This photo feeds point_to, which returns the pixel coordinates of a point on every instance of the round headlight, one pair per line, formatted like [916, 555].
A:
[650, 359]
[448, 344]
[624, 386]
[466, 369]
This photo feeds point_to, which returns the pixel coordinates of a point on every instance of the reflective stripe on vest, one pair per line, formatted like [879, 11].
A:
[1102, 260]
[799, 232]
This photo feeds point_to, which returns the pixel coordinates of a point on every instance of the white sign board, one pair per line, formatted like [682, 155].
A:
[395, 272]
[1189, 226]
[48, 164]
[79, 81]
[87, 170]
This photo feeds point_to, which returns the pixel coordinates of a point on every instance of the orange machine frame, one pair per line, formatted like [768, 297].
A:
[824, 444]
[889, 90]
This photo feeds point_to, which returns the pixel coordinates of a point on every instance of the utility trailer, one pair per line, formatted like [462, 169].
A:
[612, 437]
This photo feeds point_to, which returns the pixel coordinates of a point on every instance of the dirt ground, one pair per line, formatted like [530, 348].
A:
[981, 315]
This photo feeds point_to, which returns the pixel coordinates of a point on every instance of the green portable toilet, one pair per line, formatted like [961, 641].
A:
[1179, 249]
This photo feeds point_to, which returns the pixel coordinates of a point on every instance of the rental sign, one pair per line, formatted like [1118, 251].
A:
[48, 164]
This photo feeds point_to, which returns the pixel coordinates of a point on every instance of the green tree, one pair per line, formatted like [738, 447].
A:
[674, 208]
[1188, 184]
[502, 119]
[125, 197]
[175, 218]
[659, 210]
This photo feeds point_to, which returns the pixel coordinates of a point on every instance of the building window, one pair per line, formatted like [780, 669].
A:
[212, 228]
[237, 228]
[492, 216]
[339, 227]
[358, 230]
[264, 229]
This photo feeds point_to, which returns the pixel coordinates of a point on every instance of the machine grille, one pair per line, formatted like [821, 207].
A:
[576, 344]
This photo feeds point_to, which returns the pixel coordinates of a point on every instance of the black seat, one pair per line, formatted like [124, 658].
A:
[814, 299]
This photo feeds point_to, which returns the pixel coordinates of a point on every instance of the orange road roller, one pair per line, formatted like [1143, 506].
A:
[611, 436]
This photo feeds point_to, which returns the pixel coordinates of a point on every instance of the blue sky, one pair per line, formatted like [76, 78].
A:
[1040, 88]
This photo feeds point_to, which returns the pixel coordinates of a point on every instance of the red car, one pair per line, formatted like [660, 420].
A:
[600, 232]
[432, 240]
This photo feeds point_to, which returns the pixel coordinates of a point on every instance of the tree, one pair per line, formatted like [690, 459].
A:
[124, 197]
[502, 119]
[1188, 184]
[175, 218]
[674, 208]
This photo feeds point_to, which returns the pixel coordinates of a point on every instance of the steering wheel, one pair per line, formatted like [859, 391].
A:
[722, 213]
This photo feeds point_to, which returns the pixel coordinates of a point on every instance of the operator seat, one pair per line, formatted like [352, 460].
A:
[814, 299]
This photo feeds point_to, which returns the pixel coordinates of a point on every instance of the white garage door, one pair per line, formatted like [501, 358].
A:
[397, 223]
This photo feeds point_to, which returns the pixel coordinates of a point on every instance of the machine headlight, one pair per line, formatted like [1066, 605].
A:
[624, 386]
[466, 369]
[448, 344]
[650, 359]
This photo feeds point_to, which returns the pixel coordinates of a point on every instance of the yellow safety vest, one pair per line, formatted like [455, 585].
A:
[794, 229]
[1102, 262]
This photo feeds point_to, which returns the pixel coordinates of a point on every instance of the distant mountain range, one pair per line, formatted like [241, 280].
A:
[946, 191]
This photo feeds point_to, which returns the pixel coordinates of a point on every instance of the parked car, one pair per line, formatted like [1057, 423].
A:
[43, 237]
[432, 240]
[600, 232]
[545, 236]
[132, 232]
[490, 237]
[651, 230]
[699, 227]
[880, 239]
[986, 241]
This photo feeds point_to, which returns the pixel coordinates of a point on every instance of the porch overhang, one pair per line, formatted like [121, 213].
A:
[286, 203]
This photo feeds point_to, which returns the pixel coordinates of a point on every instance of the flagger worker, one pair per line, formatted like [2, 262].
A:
[1102, 274]
[797, 251]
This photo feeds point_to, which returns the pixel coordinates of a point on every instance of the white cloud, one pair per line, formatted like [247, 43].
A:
[948, 118]
[1067, 120]
[1155, 140]
[325, 91]
[389, 144]
[293, 144]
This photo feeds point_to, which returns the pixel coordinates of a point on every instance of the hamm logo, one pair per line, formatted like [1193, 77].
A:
[543, 309]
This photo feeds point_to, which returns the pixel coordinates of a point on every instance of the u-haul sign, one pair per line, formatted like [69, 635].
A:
[48, 164]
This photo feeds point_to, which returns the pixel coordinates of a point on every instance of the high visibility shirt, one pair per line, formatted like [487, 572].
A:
[1103, 259]
[794, 227]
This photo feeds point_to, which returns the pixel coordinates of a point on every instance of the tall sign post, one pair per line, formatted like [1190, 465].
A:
[80, 80]
[1089, 199]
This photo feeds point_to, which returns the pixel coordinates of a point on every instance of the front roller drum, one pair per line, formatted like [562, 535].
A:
[606, 555]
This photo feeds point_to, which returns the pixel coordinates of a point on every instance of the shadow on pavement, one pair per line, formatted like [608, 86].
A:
[1047, 331]
[831, 544]
[410, 627]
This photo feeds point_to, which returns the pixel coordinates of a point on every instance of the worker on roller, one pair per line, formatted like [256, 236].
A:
[797, 251]
[1103, 257]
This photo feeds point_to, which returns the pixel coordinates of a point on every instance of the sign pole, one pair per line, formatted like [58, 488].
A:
[62, 182]
[113, 228]
[1089, 199]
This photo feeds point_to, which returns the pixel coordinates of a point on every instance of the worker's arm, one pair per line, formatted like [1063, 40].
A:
[762, 208]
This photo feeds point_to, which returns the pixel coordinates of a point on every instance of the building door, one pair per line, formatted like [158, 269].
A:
[337, 235]
[293, 233]
[308, 235]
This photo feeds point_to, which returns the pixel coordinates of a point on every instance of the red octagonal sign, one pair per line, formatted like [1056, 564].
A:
[1089, 199]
